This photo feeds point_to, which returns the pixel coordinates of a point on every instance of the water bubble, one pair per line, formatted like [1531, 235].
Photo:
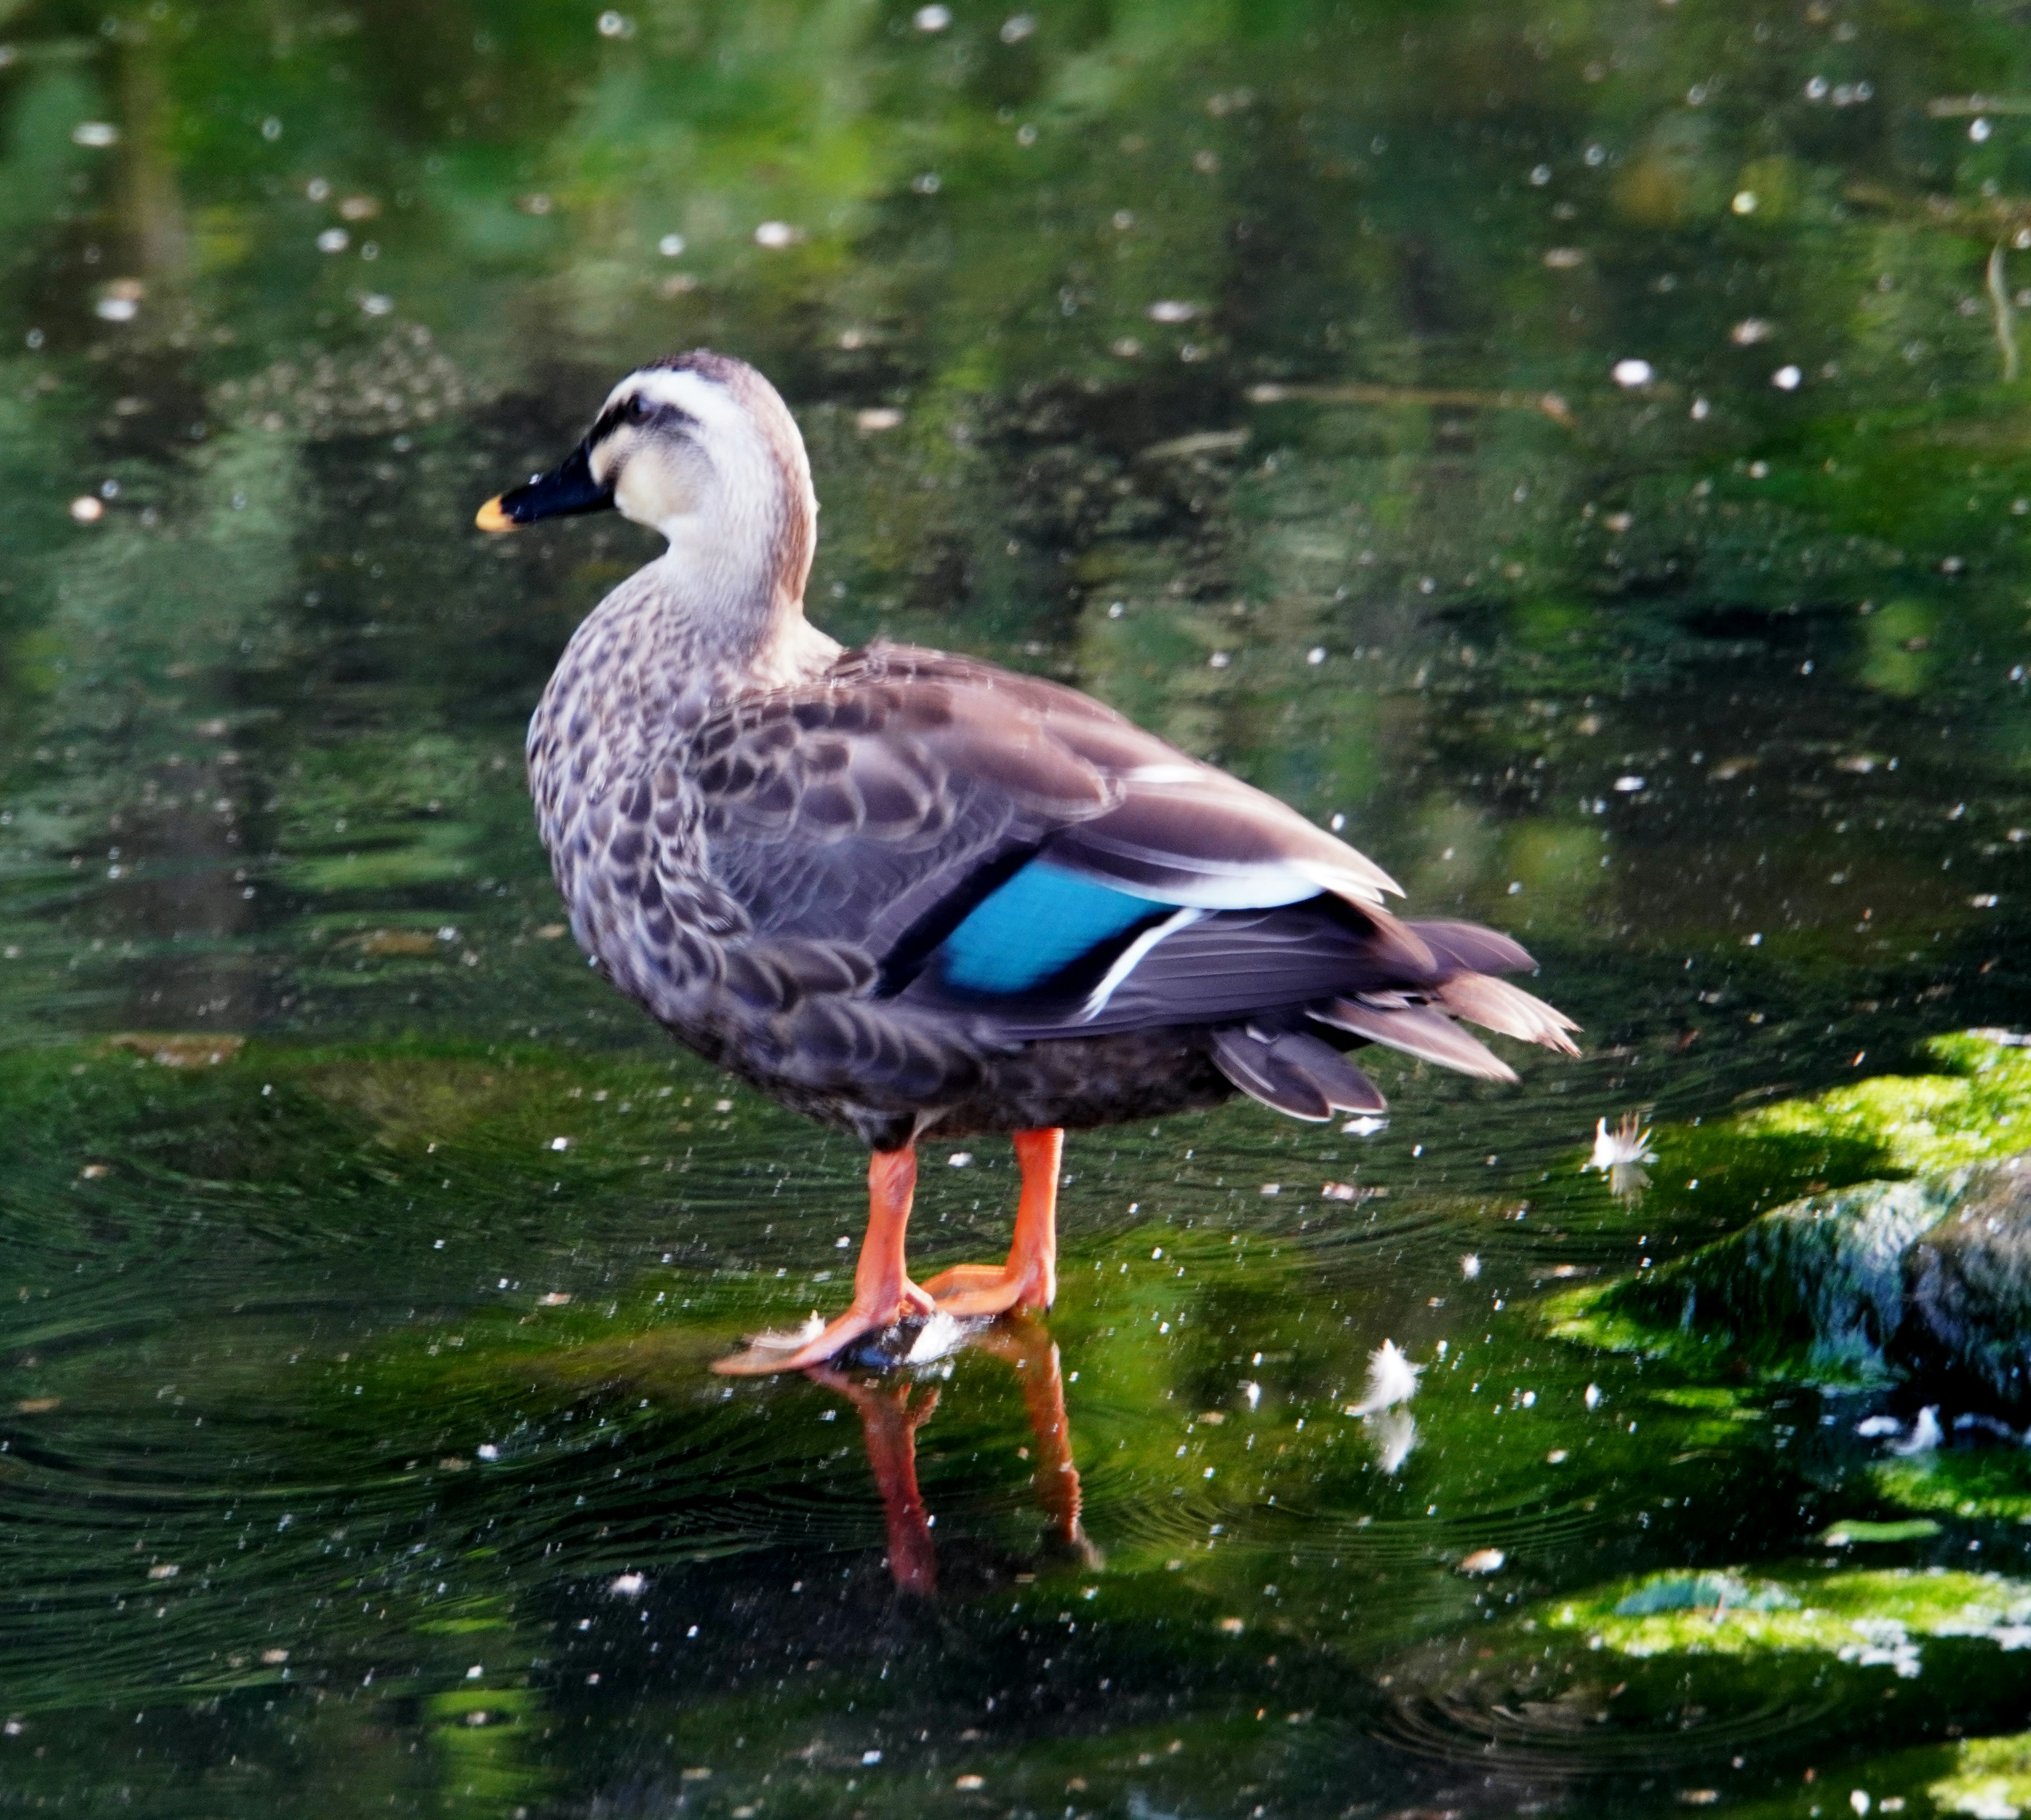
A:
[96, 133]
[613, 24]
[931, 18]
[334, 240]
[1017, 27]
[122, 302]
[1978, 131]
[1596, 155]
[777, 235]
[926, 183]
[1745, 202]
[1632, 373]
[1171, 309]
[670, 245]
[1541, 175]
[1026, 136]
[86, 509]
[1786, 378]
[271, 129]
[376, 304]
[1815, 89]
[316, 189]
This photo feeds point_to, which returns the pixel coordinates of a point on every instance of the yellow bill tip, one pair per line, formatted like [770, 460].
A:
[490, 517]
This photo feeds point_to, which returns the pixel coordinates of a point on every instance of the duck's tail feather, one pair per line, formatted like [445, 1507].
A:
[1417, 1030]
[1495, 1004]
[1291, 1071]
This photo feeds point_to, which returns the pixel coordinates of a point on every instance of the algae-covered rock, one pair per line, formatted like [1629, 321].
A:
[1967, 1288]
[1927, 1282]
[1990, 1778]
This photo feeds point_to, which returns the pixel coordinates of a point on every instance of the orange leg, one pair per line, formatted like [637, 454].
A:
[882, 1292]
[1029, 1278]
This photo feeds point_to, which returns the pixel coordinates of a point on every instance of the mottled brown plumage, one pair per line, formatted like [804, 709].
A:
[902, 891]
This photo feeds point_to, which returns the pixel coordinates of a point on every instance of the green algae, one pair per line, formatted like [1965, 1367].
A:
[1991, 1779]
[1853, 1530]
[1868, 1618]
[1992, 1484]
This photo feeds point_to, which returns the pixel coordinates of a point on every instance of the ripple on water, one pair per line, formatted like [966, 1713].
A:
[1574, 1734]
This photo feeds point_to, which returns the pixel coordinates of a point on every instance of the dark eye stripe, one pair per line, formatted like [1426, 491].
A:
[663, 416]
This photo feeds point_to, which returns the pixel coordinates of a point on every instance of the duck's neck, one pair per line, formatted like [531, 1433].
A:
[719, 626]
[675, 642]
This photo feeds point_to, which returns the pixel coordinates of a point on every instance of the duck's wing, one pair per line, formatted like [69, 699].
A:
[1008, 853]
[883, 802]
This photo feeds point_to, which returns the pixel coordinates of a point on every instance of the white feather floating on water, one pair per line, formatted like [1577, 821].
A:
[1925, 1435]
[1391, 1378]
[1621, 1154]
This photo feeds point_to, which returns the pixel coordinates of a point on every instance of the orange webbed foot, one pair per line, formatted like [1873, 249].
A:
[816, 1342]
[971, 1290]
[883, 1293]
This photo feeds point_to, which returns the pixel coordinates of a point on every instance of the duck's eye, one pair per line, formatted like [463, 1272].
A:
[638, 408]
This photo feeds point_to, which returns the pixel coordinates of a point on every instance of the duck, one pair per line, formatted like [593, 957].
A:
[908, 892]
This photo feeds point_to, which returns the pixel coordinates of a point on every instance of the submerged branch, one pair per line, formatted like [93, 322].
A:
[1440, 397]
[1998, 302]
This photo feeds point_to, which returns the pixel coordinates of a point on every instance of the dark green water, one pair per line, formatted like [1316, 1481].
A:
[1263, 369]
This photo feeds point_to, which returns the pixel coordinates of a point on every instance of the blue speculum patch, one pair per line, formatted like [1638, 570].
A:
[1036, 924]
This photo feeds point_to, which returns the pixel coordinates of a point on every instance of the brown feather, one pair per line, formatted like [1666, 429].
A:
[1495, 1004]
[1417, 1031]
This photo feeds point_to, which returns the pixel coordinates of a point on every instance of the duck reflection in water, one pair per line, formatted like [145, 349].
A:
[891, 1413]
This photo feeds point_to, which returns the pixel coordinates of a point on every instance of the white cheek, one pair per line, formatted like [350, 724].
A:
[645, 493]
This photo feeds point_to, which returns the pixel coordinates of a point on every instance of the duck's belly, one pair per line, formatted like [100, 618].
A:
[1079, 1082]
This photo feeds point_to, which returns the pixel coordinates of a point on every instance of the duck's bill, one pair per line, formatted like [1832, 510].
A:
[566, 489]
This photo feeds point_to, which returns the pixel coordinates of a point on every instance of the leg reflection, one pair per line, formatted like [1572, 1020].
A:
[889, 1421]
[1028, 1349]
[889, 1427]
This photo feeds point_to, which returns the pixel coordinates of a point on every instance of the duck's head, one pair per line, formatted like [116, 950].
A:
[701, 448]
